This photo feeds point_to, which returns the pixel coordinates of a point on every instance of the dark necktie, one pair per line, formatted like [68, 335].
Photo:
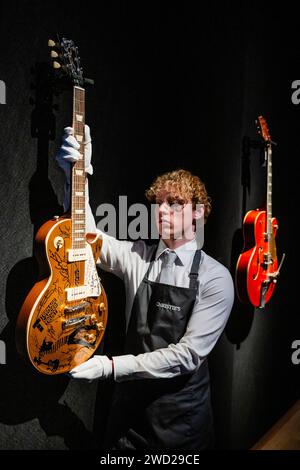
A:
[167, 274]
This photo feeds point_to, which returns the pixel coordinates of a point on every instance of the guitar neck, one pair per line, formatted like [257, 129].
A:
[269, 189]
[78, 172]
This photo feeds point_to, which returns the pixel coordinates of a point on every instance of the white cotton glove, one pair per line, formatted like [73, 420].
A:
[99, 367]
[68, 151]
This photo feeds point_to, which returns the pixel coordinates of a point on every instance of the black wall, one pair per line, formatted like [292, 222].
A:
[175, 86]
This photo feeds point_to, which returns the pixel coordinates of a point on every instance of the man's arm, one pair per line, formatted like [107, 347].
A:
[114, 253]
[205, 326]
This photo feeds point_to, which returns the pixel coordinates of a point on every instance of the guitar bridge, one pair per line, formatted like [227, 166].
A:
[72, 322]
[76, 308]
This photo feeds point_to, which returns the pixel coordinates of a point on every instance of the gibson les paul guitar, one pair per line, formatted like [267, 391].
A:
[257, 267]
[64, 316]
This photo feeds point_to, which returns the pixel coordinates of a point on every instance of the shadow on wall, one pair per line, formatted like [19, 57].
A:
[24, 393]
[242, 315]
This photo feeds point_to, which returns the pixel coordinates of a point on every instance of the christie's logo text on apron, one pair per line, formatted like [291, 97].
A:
[168, 306]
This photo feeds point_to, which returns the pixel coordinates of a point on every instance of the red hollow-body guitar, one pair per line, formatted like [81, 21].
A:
[257, 267]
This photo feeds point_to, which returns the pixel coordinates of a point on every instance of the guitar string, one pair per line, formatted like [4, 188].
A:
[79, 187]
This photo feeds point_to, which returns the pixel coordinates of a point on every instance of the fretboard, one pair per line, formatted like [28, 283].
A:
[269, 189]
[78, 172]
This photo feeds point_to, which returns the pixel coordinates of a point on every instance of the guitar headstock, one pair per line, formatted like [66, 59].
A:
[263, 129]
[65, 57]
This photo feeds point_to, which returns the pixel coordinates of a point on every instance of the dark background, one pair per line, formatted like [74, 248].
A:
[175, 86]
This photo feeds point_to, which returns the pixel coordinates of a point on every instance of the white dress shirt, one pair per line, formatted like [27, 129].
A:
[130, 261]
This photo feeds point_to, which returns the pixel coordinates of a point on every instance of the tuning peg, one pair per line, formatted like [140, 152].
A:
[56, 65]
[51, 43]
[54, 54]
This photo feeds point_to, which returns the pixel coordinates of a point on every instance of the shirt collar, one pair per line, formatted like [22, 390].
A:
[184, 252]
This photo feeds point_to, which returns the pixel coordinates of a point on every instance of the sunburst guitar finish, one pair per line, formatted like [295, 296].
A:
[64, 316]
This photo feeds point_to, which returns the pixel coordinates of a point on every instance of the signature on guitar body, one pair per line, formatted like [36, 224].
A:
[63, 319]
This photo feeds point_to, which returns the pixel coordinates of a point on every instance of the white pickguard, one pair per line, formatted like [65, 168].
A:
[91, 277]
[92, 286]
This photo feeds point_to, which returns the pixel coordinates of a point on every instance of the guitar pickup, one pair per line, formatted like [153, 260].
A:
[76, 308]
[76, 293]
[77, 254]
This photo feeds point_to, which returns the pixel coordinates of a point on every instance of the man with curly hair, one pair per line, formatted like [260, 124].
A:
[178, 300]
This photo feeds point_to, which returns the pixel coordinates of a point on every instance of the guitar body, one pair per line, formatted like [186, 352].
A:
[64, 316]
[257, 261]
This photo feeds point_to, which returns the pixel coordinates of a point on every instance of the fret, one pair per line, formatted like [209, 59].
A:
[78, 173]
[269, 191]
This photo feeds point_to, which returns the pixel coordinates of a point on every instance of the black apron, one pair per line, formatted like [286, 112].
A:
[170, 413]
